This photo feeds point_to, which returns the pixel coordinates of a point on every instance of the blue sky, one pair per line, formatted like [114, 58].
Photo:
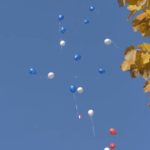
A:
[39, 114]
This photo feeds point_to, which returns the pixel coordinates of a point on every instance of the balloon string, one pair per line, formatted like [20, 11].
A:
[76, 76]
[60, 24]
[93, 126]
[76, 105]
[115, 45]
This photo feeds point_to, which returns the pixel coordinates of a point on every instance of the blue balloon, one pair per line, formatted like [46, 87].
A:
[73, 89]
[32, 71]
[62, 30]
[60, 17]
[101, 71]
[77, 57]
[92, 8]
[86, 21]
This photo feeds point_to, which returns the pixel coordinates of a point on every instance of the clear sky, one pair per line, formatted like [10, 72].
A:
[39, 114]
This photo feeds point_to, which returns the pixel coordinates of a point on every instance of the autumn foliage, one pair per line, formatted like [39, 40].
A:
[137, 58]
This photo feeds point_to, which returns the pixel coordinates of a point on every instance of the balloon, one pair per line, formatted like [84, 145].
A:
[32, 71]
[101, 71]
[62, 43]
[92, 8]
[80, 116]
[112, 146]
[62, 30]
[51, 75]
[60, 17]
[112, 131]
[86, 21]
[107, 41]
[80, 90]
[106, 148]
[77, 57]
[73, 89]
[91, 113]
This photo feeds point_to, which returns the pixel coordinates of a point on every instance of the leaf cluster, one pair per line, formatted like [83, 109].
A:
[137, 58]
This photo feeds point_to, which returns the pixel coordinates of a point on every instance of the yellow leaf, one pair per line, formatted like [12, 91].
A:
[134, 73]
[137, 61]
[142, 23]
[132, 2]
[147, 86]
[145, 47]
[145, 4]
[145, 71]
[122, 2]
[126, 65]
[145, 58]
[134, 8]
[130, 53]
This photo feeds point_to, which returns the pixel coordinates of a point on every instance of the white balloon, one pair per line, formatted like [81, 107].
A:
[62, 43]
[51, 75]
[108, 41]
[80, 90]
[91, 112]
[80, 116]
[106, 148]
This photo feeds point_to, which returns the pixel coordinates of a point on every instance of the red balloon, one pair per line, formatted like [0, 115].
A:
[112, 146]
[112, 131]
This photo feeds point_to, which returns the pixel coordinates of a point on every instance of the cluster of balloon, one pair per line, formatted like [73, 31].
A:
[32, 71]
[80, 90]
[91, 8]
[51, 75]
[62, 29]
[73, 90]
[91, 114]
[112, 146]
